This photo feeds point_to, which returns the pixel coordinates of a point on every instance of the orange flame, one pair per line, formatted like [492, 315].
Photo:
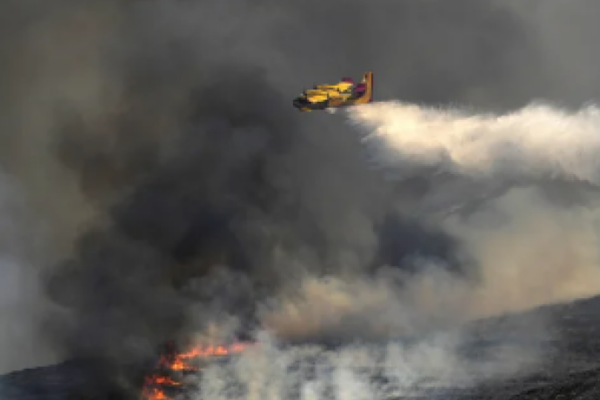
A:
[154, 394]
[154, 384]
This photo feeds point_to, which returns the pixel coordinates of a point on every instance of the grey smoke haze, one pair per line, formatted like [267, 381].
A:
[21, 302]
[157, 146]
[568, 74]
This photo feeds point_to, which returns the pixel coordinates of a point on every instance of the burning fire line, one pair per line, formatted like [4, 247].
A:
[155, 384]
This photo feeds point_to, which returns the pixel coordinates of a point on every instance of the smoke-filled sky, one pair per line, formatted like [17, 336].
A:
[159, 181]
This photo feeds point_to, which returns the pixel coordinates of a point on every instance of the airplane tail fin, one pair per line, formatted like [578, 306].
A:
[367, 79]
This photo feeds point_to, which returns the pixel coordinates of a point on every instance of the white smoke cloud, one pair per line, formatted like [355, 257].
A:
[352, 372]
[530, 252]
[527, 249]
[536, 142]
[524, 252]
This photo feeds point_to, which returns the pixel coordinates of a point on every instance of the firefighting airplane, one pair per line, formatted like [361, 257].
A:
[342, 94]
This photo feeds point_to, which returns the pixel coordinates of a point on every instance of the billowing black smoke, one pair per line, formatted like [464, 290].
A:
[184, 215]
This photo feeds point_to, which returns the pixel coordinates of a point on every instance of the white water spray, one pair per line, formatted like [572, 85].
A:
[536, 142]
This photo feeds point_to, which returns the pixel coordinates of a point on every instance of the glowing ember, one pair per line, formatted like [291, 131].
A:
[154, 385]
[162, 380]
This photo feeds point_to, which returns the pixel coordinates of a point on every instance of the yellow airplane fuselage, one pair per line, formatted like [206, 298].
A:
[320, 93]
